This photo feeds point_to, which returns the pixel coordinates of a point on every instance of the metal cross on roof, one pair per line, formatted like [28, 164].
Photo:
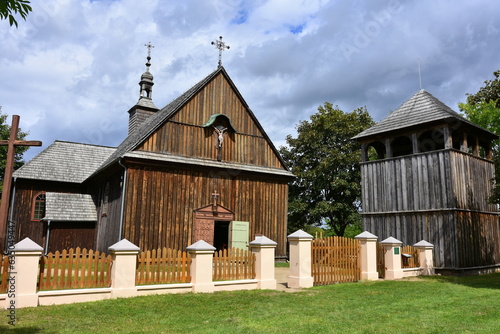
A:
[221, 46]
[149, 46]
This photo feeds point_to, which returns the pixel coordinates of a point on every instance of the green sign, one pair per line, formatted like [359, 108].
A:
[396, 250]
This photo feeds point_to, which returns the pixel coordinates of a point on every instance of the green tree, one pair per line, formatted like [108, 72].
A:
[8, 8]
[483, 109]
[5, 135]
[325, 162]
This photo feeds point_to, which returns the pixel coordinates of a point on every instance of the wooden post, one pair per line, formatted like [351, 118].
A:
[9, 169]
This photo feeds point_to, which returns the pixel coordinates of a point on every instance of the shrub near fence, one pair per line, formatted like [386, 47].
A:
[335, 260]
[74, 269]
[233, 264]
[163, 266]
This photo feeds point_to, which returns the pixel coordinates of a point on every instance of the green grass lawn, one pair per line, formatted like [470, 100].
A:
[429, 305]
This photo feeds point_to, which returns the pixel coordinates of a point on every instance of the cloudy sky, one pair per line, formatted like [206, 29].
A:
[71, 71]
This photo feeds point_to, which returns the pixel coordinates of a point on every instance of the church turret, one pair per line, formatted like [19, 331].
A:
[144, 106]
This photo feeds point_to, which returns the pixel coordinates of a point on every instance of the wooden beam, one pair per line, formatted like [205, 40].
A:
[9, 169]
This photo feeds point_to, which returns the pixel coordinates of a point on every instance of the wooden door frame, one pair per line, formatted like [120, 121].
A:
[204, 219]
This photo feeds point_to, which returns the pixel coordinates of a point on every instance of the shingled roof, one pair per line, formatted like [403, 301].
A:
[150, 125]
[69, 207]
[65, 162]
[421, 108]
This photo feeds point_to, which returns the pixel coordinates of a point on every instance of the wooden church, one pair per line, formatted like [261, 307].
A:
[202, 167]
[426, 174]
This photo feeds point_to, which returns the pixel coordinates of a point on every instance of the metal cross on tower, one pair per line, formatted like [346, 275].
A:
[221, 46]
[149, 46]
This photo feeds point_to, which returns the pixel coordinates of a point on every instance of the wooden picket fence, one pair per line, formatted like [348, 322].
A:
[233, 264]
[74, 269]
[411, 261]
[163, 266]
[4, 272]
[380, 260]
[335, 260]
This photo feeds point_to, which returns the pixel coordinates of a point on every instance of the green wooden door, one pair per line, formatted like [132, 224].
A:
[238, 234]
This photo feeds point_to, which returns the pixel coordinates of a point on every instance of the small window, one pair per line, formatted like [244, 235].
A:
[39, 207]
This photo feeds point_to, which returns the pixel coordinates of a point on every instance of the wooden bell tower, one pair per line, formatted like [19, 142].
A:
[427, 174]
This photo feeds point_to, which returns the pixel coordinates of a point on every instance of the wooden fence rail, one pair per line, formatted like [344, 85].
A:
[335, 260]
[74, 269]
[380, 260]
[163, 266]
[233, 264]
[409, 257]
[4, 272]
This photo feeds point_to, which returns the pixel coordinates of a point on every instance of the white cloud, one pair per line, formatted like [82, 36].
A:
[72, 70]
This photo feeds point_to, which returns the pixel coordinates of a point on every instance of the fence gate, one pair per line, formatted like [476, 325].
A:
[335, 260]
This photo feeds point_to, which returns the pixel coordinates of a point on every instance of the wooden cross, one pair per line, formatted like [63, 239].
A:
[221, 46]
[215, 198]
[9, 169]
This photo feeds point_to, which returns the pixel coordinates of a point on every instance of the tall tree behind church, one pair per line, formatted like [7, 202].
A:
[326, 163]
[4, 135]
[483, 108]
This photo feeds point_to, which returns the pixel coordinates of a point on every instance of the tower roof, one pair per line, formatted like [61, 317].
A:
[422, 108]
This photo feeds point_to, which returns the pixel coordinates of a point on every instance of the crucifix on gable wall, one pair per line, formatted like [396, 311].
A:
[221, 132]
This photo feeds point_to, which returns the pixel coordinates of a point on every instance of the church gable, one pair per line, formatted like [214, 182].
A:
[215, 123]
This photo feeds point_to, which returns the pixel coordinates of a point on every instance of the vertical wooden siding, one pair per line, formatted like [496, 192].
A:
[25, 192]
[160, 205]
[183, 134]
[424, 197]
[108, 214]
[435, 180]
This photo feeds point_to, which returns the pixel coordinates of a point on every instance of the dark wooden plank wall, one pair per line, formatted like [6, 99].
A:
[437, 196]
[66, 235]
[461, 239]
[417, 182]
[25, 192]
[478, 239]
[427, 181]
[472, 182]
[434, 227]
[108, 214]
[160, 205]
[184, 134]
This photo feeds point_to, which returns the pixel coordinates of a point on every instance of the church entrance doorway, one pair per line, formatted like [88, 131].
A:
[216, 226]
[221, 235]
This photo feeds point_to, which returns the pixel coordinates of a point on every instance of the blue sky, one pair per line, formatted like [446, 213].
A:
[71, 71]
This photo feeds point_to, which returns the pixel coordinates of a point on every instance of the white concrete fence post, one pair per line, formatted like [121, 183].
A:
[24, 274]
[202, 254]
[368, 255]
[264, 250]
[392, 257]
[300, 260]
[425, 255]
[123, 270]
